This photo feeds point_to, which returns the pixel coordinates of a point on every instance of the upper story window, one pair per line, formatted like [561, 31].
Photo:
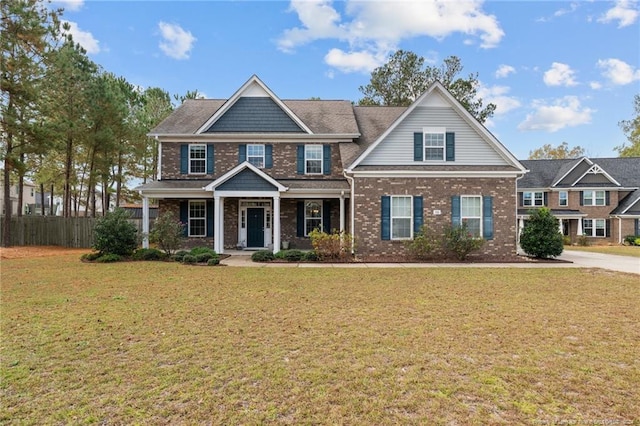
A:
[313, 159]
[255, 155]
[471, 213]
[594, 198]
[533, 199]
[434, 144]
[401, 217]
[563, 198]
[197, 159]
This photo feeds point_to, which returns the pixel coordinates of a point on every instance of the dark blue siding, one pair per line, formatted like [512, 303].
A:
[246, 180]
[255, 115]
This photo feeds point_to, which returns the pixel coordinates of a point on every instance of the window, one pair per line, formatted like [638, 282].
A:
[312, 216]
[595, 227]
[197, 159]
[533, 198]
[255, 155]
[434, 148]
[197, 219]
[471, 213]
[401, 218]
[594, 198]
[313, 159]
[563, 198]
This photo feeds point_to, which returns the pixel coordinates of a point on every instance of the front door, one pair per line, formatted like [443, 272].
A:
[255, 227]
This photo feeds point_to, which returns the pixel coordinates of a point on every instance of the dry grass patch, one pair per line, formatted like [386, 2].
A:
[161, 343]
[633, 251]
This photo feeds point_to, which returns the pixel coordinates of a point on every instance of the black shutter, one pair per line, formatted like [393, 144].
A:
[300, 159]
[520, 199]
[451, 147]
[184, 216]
[545, 199]
[637, 230]
[385, 215]
[418, 151]
[582, 198]
[607, 198]
[326, 159]
[184, 159]
[210, 218]
[300, 218]
[326, 216]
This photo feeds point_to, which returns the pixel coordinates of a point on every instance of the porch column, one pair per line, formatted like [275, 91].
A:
[145, 222]
[276, 223]
[216, 225]
[520, 227]
[341, 213]
[579, 230]
[221, 218]
[560, 226]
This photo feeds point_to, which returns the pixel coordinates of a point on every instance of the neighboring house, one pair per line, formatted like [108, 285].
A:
[28, 198]
[594, 197]
[255, 171]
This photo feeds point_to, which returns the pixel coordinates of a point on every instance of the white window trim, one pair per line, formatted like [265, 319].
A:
[594, 197]
[306, 159]
[566, 198]
[410, 217]
[594, 228]
[306, 218]
[462, 217]
[532, 199]
[198, 159]
[197, 218]
[438, 131]
[264, 155]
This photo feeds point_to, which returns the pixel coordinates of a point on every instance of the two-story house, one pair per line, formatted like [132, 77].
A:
[254, 171]
[598, 198]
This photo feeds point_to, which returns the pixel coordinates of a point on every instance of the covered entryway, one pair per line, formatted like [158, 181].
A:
[255, 227]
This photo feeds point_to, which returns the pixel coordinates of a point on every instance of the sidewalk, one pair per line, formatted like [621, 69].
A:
[573, 259]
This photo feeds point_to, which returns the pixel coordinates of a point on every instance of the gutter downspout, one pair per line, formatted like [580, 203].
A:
[517, 220]
[352, 203]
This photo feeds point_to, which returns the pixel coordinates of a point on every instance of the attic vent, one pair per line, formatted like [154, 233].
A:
[594, 170]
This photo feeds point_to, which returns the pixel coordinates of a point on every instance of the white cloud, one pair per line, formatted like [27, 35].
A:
[625, 12]
[176, 42]
[373, 29]
[70, 5]
[618, 72]
[595, 85]
[504, 70]
[498, 96]
[559, 75]
[83, 38]
[563, 112]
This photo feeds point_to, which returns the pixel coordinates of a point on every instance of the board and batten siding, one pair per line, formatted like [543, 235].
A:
[397, 148]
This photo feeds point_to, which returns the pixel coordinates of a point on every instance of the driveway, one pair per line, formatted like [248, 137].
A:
[604, 261]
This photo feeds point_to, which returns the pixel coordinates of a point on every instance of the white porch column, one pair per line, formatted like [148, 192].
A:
[276, 223]
[520, 227]
[342, 213]
[560, 226]
[216, 224]
[145, 222]
[579, 230]
[221, 217]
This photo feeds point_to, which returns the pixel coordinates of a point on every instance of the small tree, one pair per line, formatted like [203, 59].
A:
[460, 241]
[336, 245]
[167, 232]
[540, 236]
[114, 234]
[422, 246]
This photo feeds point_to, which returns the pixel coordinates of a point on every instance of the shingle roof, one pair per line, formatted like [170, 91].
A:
[627, 202]
[321, 116]
[372, 122]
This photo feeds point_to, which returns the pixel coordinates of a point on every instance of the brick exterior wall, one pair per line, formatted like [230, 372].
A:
[436, 193]
[226, 158]
[173, 207]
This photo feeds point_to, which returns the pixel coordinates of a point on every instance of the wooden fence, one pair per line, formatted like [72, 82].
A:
[55, 231]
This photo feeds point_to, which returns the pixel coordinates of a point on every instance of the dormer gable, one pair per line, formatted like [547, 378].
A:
[585, 173]
[254, 108]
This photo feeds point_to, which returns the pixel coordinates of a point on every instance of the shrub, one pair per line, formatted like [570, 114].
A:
[310, 256]
[280, 255]
[213, 261]
[583, 241]
[203, 257]
[179, 255]
[262, 256]
[336, 245]
[114, 234]
[566, 240]
[108, 258]
[637, 242]
[90, 257]
[293, 255]
[201, 250]
[189, 258]
[167, 232]
[632, 240]
[422, 246]
[148, 254]
[540, 236]
[459, 241]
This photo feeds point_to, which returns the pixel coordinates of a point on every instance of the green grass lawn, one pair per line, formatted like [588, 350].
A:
[163, 343]
[633, 251]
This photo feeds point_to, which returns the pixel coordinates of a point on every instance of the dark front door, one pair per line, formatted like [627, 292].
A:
[255, 227]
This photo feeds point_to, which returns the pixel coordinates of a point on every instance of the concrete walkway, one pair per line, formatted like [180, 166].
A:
[573, 259]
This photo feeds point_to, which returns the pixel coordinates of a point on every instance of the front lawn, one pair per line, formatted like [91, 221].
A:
[164, 343]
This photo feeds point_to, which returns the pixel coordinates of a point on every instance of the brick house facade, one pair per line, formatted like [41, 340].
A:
[254, 171]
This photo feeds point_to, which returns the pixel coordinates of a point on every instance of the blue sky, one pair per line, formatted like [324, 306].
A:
[558, 71]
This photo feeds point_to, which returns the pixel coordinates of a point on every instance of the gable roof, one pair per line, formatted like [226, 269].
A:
[624, 171]
[462, 112]
[244, 167]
